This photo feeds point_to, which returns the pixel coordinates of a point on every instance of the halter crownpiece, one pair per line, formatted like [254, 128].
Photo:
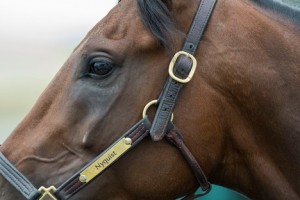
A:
[181, 71]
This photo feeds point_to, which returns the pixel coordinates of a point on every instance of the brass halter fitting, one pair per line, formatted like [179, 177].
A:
[151, 103]
[172, 65]
[47, 193]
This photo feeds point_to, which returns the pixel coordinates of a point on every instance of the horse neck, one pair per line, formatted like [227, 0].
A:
[256, 68]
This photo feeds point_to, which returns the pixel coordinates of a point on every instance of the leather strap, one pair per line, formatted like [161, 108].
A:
[182, 69]
[175, 137]
[137, 133]
[14, 177]
[194, 195]
[199, 24]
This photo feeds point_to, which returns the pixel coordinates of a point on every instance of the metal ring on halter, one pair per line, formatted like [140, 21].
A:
[151, 103]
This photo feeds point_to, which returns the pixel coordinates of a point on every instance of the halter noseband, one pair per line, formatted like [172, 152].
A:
[181, 71]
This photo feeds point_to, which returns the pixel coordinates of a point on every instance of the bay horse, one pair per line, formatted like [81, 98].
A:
[239, 115]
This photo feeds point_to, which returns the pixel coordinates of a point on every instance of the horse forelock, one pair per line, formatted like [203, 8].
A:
[288, 11]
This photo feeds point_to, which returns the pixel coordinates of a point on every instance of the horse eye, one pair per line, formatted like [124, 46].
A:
[101, 67]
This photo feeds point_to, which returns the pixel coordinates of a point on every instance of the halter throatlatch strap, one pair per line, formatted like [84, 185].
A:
[181, 71]
[20, 182]
[175, 137]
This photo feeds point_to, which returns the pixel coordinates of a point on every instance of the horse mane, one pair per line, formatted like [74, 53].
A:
[286, 10]
[157, 18]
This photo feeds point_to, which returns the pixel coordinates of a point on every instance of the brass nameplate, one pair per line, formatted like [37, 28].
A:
[104, 161]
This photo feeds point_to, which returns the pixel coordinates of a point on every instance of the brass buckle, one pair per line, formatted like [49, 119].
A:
[172, 65]
[47, 193]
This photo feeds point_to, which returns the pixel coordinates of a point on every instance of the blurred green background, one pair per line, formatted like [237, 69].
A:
[295, 3]
[36, 38]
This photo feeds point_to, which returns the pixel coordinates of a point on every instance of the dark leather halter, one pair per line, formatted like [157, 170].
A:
[181, 71]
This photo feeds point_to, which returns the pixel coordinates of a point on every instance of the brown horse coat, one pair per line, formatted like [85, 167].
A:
[240, 115]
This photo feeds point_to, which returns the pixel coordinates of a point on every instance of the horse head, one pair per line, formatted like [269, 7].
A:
[121, 65]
